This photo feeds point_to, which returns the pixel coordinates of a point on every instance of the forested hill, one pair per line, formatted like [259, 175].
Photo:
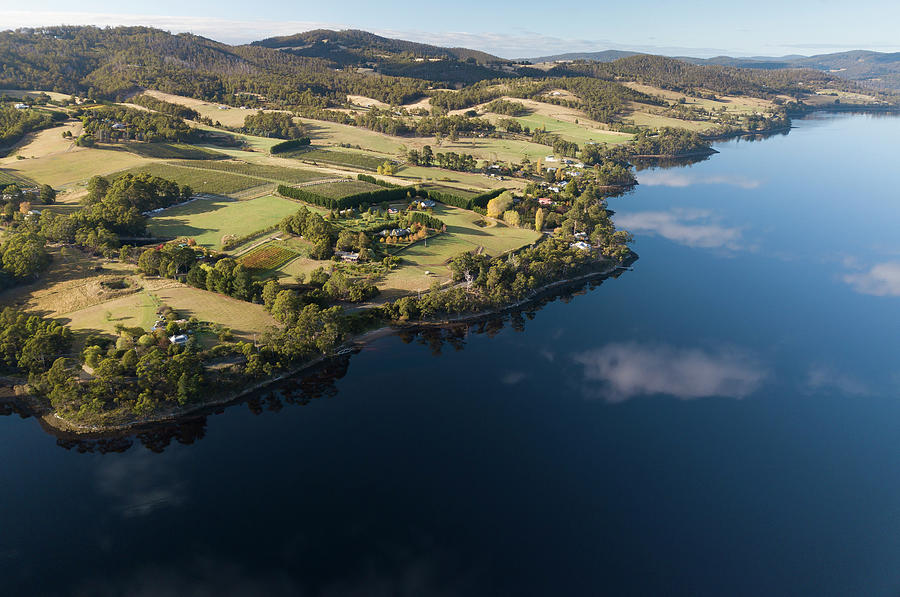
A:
[878, 70]
[114, 62]
[352, 45]
[677, 75]
[395, 57]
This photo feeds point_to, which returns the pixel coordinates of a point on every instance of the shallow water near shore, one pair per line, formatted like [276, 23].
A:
[722, 420]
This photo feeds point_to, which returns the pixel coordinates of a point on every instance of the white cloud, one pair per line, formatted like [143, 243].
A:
[883, 279]
[680, 179]
[619, 371]
[693, 228]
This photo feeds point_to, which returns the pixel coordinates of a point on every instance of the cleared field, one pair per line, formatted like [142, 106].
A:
[209, 220]
[339, 157]
[139, 310]
[451, 190]
[75, 166]
[172, 151]
[570, 131]
[495, 239]
[134, 310]
[267, 257]
[640, 117]
[44, 143]
[331, 133]
[338, 190]
[263, 171]
[366, 102]
[73, 281]
[828, 96]
[507, 150]
[299, 267]
[730, 103]
[233, 117]
[245, 319]
[200, 180]
[58, 97]
[477, 182]
[260, 144]
[462, 235]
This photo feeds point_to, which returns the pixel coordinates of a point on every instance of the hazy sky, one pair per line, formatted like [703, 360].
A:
[522, 29]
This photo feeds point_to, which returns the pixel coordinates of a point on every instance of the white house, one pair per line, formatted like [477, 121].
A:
[581, 245]
[21, 106]
[347, 256]
[178, 339]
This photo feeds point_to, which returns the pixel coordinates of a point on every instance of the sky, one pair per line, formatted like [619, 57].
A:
[524, 29]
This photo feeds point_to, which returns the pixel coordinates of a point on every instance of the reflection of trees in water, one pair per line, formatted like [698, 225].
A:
[301, 389]
[666, 163]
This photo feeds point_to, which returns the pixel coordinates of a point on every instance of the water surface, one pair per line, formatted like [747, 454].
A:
[723, 420]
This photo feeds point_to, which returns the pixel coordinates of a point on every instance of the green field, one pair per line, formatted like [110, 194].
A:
[246, 320]
[133, 310]
[263, 171]
[208, 220]
[462, 235]
[332, 133]
[200, 180]
[340, 157]
[449, 190]
[338, 190]
[570, 131]
[62, 169]
[172, 151]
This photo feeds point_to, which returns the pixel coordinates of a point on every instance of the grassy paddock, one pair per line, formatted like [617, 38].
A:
[263, 171]
[246, 320]
[173, 151]
[208, 220]
[201, 181]
[76, 166]
[350, 159]
[462, 235]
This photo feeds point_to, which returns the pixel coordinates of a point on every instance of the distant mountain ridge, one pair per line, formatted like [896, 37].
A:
[603, 56]
[879, 70]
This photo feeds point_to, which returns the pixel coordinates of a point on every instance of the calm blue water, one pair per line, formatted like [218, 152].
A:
[723, 420]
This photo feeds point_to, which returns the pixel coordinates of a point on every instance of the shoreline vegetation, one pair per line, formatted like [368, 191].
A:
[29, 405]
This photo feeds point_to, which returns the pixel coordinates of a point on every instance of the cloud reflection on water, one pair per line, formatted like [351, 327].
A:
[693, 228]
[140, 483]
[882, 279]
[682, 179]
[821, 377]
[619, 371]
